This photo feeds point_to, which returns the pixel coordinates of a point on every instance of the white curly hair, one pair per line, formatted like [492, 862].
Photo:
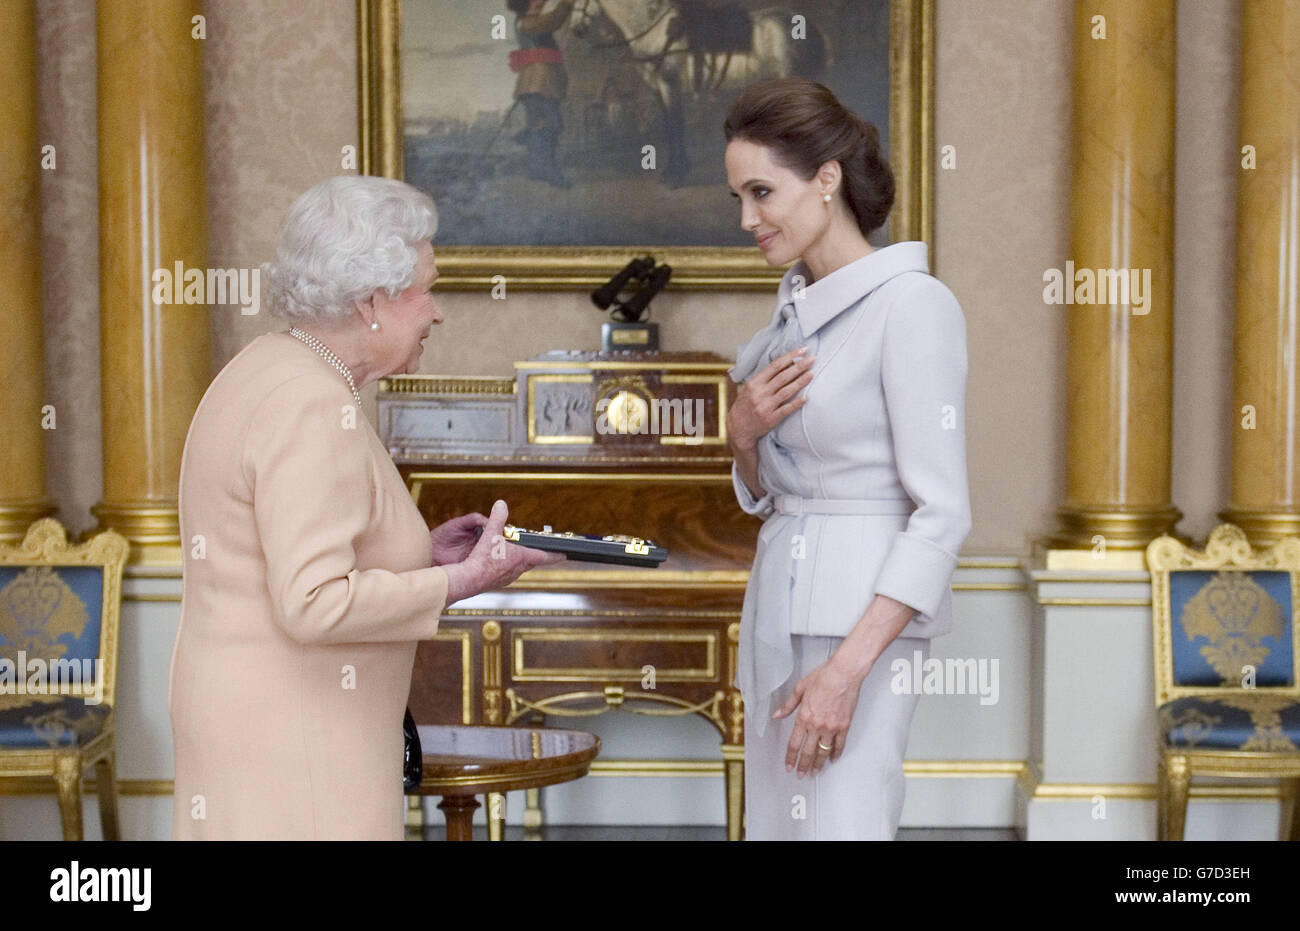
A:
[341, 241]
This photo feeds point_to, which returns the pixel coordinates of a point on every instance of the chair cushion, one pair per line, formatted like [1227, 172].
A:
[1232, 722]
[62, 722]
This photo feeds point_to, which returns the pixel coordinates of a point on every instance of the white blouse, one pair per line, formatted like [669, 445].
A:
[865, 485]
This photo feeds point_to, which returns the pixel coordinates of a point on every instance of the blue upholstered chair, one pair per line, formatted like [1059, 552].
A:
[1227, 676]
[59, 610]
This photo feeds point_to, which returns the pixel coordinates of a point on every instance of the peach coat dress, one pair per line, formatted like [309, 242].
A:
[307, 584]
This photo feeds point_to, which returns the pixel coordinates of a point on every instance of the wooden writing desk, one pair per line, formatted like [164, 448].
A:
[581, 638]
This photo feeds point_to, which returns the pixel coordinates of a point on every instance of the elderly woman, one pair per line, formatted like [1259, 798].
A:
[849, 440]
[309, 573]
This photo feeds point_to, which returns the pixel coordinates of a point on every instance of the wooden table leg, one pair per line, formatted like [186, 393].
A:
[496, 815]
[532, 814]
[415, 817]
[459, 810]
[734, 765]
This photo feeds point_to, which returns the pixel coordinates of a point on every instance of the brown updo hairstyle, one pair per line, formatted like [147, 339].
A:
[805, 126]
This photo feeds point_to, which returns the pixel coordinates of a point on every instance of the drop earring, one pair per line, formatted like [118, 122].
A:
[827, 198]
[374, 325]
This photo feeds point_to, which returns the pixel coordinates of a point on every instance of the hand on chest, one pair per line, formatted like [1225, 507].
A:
[845, 402]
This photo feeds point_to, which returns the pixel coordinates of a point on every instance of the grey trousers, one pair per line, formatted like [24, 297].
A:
[860, 795]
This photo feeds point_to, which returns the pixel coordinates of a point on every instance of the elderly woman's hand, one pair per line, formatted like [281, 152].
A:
[493, 562]
[454, 540]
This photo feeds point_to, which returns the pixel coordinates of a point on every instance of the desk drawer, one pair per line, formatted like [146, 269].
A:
[581, 654]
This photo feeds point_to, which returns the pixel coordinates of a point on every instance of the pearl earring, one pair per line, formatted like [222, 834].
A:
[374, 325]
[827, 198]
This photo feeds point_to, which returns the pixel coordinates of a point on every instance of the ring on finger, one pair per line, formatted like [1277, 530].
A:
[824, 747]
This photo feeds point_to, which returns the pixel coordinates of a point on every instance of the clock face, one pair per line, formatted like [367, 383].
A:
[627, 412]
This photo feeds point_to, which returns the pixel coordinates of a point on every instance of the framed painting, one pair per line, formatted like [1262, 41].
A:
[560, 138]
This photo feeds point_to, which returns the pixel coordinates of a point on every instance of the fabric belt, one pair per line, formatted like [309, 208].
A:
[792, 504]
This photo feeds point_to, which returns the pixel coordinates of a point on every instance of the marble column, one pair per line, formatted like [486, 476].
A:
[22, 344]
[1266, 393]
[156, 357]
[1120, 345]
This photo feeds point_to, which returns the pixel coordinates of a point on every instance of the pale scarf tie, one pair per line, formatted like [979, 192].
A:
[767, 649]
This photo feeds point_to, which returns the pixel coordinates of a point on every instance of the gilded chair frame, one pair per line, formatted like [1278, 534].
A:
[46, 544]
[1227, 549]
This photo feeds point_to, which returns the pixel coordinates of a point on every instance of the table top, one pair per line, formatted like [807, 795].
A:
[465, 759]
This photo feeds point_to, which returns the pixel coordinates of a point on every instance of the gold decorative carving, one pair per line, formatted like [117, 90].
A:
[576, 460]
[440, 384]
[558, 612]
[531, 410]
[36, 609]
[695, 478]
[611, 697]
[492, 706]
[492, 671]
[737, 718]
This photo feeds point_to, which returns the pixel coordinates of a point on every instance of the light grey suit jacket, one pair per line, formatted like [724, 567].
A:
[884, 421]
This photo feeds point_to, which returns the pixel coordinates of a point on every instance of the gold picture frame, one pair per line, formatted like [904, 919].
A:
[564, 268]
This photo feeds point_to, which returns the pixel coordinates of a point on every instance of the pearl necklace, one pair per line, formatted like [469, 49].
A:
[325, 353]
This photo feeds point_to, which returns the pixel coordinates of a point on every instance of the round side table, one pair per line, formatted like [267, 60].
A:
[462, 761]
